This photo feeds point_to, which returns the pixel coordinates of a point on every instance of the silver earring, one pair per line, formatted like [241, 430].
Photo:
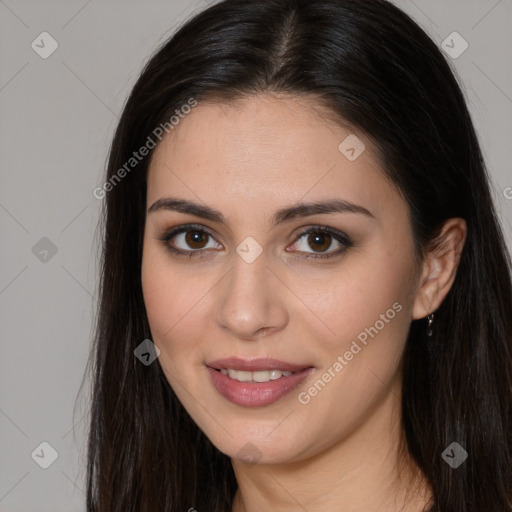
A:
[430, 322]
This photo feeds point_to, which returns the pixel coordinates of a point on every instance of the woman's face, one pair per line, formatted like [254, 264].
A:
[248, 287]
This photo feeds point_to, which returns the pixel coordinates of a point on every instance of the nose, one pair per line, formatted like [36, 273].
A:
[251, 300]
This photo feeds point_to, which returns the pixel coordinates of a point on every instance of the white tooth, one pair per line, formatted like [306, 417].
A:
[275, 374]
[244, 376]
[261, 376]
[258, 376]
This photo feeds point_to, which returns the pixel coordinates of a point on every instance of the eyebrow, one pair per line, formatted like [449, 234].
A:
[298, 210]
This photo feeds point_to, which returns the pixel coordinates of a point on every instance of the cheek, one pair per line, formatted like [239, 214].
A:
[369, 309]
[176, 305]
[366, 292]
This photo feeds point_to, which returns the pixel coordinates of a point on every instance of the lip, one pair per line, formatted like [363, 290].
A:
[256, 394]
[254, 365]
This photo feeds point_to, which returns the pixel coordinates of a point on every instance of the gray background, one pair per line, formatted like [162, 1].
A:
[57, 119]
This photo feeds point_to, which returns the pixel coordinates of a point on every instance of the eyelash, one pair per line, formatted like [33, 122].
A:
[339, 236]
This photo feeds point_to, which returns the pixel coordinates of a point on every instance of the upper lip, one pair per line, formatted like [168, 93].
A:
[254, 365]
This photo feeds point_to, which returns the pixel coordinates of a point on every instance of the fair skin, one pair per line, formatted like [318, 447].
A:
[338, 451]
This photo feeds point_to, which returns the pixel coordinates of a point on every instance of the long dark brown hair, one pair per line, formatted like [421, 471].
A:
[375, 68]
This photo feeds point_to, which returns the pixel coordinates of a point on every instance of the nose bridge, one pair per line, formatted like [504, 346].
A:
[247, 302]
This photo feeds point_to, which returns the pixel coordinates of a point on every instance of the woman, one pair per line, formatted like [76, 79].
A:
[305, 301]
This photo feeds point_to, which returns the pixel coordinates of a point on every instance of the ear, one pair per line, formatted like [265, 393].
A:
[439, 268]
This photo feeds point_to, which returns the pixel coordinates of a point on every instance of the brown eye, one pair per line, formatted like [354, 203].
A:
[319, 241]
[190, 240]
[315, 242]
[196, 239]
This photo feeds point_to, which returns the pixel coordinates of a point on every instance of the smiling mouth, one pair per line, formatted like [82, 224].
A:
[257, 388]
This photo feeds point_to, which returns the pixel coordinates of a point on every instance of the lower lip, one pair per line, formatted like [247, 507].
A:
[256, 394]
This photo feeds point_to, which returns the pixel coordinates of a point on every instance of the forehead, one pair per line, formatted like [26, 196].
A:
[263, 151]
